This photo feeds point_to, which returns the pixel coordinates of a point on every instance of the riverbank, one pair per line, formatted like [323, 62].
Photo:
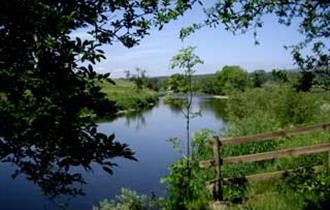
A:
[220, 97]
[255, 111]
[127, 97]
[175, 99]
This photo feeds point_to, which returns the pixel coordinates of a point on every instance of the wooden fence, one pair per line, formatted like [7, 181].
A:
[217, 161]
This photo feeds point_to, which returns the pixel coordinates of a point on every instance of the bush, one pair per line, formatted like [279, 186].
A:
[128, 200]
[313, 189]
[296, 108]
[272, 108]
[186, 186]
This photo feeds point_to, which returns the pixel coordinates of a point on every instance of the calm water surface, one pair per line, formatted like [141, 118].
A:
[147, 134]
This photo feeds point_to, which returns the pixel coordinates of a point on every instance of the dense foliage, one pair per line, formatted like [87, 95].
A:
[176, 83]
[128, 200]
[254, 111]
[230, 78]
[47, 81]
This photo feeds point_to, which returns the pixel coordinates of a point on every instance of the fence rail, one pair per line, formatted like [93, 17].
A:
[275, 134]
[259, 177]
[217, 183]
[270, 155]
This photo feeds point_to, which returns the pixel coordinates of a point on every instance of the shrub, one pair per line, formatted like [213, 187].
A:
[186, 189]
[128, 200]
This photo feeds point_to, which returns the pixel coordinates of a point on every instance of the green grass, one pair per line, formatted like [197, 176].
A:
[127, 96]
[251, 112]
[270, 109]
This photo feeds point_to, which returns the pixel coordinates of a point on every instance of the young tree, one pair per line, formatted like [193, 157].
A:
[186, 60]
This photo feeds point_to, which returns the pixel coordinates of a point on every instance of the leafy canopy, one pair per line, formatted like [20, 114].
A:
[313, 17]
[47, 83]
[230, 78]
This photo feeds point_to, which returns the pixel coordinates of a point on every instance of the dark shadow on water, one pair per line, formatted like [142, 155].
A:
[54, 151]
[137, 117]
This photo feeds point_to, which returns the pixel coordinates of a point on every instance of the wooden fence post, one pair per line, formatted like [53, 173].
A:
[217, 191]
[327, 162]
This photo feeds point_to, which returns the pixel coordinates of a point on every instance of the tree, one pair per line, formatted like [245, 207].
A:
[231, 78]
[186, 60]
[258, 78]
[127, 74]
[280, 76]
[305, 81]
[139, 78]
[177, 83]
[47, 82]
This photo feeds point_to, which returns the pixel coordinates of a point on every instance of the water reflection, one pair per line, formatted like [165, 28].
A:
[52, 149]
[216, 106]
[146, 134]
[137, 117]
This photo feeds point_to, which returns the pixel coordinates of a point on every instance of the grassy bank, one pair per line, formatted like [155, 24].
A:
[255, 111]
[276, 108]
[127, 97]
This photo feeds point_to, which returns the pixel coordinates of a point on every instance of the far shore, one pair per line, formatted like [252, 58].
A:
[220, 97]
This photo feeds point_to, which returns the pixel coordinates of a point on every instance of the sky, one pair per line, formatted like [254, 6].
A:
[215, 46]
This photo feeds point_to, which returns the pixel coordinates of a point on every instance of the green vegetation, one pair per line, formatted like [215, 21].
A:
[127, 96]
[229, 79]
[47, 80]
[233, 78]
[258, 78]
[128, 200]
[186, 60]
[176, 83]
[254, 111]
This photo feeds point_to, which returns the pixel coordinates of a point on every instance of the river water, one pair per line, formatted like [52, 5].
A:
[146, 133]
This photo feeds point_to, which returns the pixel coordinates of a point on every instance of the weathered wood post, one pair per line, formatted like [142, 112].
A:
[328, 164]
[217, 191]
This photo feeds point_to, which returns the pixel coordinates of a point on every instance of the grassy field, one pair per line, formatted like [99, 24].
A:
[256, 111]
[276, 108]
[127, 97]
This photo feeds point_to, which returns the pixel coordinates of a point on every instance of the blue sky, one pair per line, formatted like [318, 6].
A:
[215, 46]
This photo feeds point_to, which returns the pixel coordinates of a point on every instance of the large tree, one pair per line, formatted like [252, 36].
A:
[47, 83]
[230, 78]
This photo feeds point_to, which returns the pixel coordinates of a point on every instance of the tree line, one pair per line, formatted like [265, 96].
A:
[235, 78]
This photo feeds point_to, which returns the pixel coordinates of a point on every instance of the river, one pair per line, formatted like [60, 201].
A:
[146, 133]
